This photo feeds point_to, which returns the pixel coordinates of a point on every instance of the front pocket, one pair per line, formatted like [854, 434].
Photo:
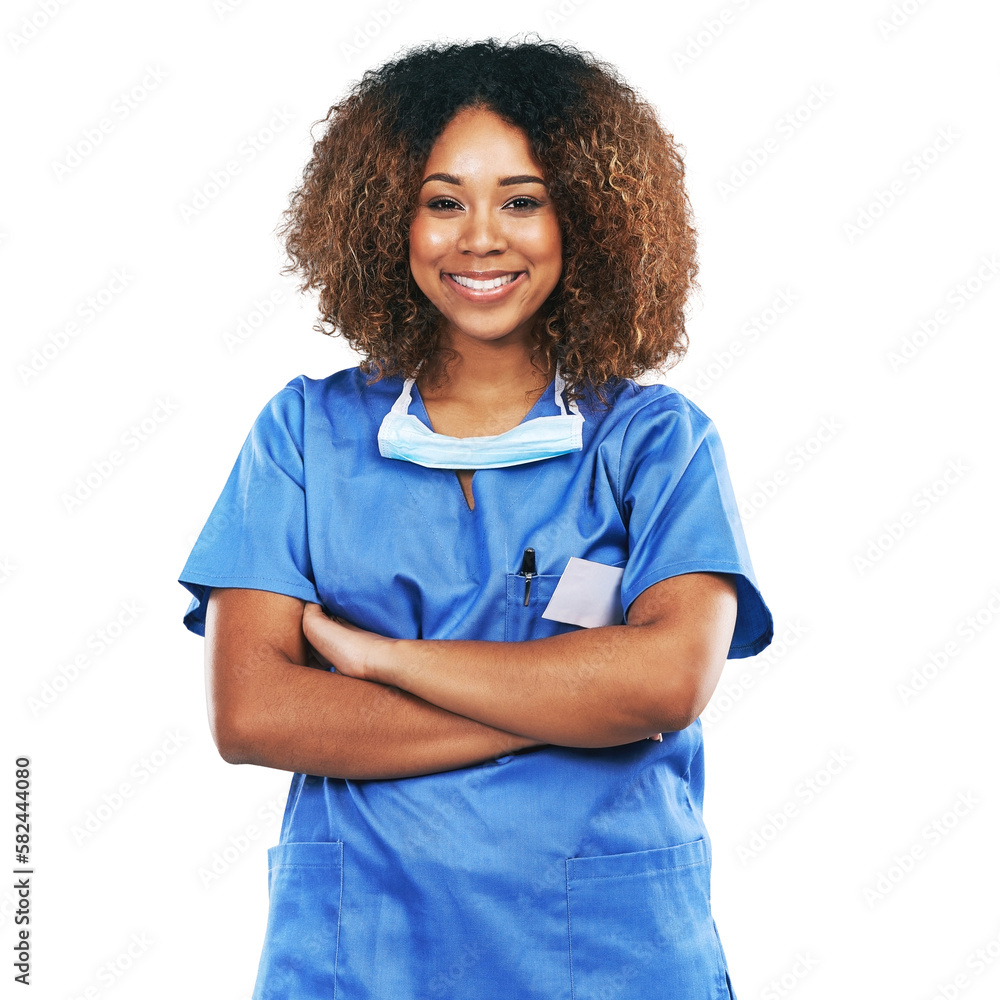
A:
[522, 623]
[305, 886]
[640, 924]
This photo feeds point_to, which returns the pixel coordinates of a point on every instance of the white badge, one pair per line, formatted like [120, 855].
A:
[588, 594]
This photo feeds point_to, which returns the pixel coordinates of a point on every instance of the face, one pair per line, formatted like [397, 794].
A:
[485, 246]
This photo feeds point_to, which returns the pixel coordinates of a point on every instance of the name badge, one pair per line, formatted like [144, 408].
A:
[587, 594]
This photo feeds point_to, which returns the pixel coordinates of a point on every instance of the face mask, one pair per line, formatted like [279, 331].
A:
[405, 437]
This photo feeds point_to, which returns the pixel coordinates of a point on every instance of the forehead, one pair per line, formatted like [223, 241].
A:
[480, 140]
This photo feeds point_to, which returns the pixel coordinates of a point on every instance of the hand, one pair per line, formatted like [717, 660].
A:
[349, 649]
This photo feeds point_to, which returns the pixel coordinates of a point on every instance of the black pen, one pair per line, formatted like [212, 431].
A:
[527, 570]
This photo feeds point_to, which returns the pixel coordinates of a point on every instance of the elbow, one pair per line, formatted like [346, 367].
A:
[671, 711]
[688, 694]
[231, 738]
[690, 703]
[676, 717]
[685, 636]
[231, 752]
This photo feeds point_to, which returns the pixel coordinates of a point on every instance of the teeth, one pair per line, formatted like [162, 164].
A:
[483, 285]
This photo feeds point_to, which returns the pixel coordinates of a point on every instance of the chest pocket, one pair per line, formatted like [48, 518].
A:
[522, 623]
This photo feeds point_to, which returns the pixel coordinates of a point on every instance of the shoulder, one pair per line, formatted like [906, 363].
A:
[348, 381]
[332, 394]
[665, 441]
[291, 408]
[335, 410]
[341, 391]
[638, 411]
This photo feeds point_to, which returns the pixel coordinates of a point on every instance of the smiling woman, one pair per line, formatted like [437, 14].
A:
[613, 174]
[484, 236]
[481, 782]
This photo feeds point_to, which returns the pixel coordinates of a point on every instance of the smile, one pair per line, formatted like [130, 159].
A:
[489, 288]
[483, 285]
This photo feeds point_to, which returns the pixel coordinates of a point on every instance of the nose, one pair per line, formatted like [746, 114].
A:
[482, 233]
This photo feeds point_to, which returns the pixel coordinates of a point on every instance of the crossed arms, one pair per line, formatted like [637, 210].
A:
[399, 708]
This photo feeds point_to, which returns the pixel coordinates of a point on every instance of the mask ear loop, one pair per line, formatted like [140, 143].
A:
[559, 387]
[402, 404]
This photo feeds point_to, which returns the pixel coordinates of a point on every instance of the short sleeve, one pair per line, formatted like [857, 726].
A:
[255, 536]
[681, 513]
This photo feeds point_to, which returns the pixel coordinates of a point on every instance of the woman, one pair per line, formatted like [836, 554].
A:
[522, 566]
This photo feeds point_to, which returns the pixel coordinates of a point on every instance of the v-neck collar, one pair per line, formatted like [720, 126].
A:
[545, 405]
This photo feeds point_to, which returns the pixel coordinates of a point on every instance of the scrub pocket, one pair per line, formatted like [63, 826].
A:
[305, 886]
[640, 925]
[522, 623]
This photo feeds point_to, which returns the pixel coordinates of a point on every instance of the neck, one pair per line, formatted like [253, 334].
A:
[486, 373]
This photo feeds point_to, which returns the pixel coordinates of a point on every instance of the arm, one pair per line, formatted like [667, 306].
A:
[268, 706]
[591, 688]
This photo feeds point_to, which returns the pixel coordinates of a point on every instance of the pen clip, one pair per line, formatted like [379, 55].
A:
[527, 570]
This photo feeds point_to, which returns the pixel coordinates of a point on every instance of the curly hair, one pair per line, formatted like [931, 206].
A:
[616, 178]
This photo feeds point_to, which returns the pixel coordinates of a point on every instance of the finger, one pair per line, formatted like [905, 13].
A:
[314, 622]
[316, 659]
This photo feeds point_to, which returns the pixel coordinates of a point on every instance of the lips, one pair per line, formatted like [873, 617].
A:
[484, 286]
[483, 280]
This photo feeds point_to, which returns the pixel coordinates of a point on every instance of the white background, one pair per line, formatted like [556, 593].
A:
[854, 892]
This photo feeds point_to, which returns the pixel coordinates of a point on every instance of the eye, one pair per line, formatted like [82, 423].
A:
[523, 203]
[444, 204]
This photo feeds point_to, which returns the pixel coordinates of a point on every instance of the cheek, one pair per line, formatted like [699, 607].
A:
[546, 250]
[544, 243]
[427, 243]
[415, 239]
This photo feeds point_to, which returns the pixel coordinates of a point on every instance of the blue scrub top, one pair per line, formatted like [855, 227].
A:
[560, 873]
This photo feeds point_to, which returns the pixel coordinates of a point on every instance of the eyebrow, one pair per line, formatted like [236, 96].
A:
[503, 182]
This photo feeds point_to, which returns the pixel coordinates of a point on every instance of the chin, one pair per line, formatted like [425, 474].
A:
[490, 335]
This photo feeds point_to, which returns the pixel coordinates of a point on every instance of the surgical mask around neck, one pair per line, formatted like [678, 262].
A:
[405, 437]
